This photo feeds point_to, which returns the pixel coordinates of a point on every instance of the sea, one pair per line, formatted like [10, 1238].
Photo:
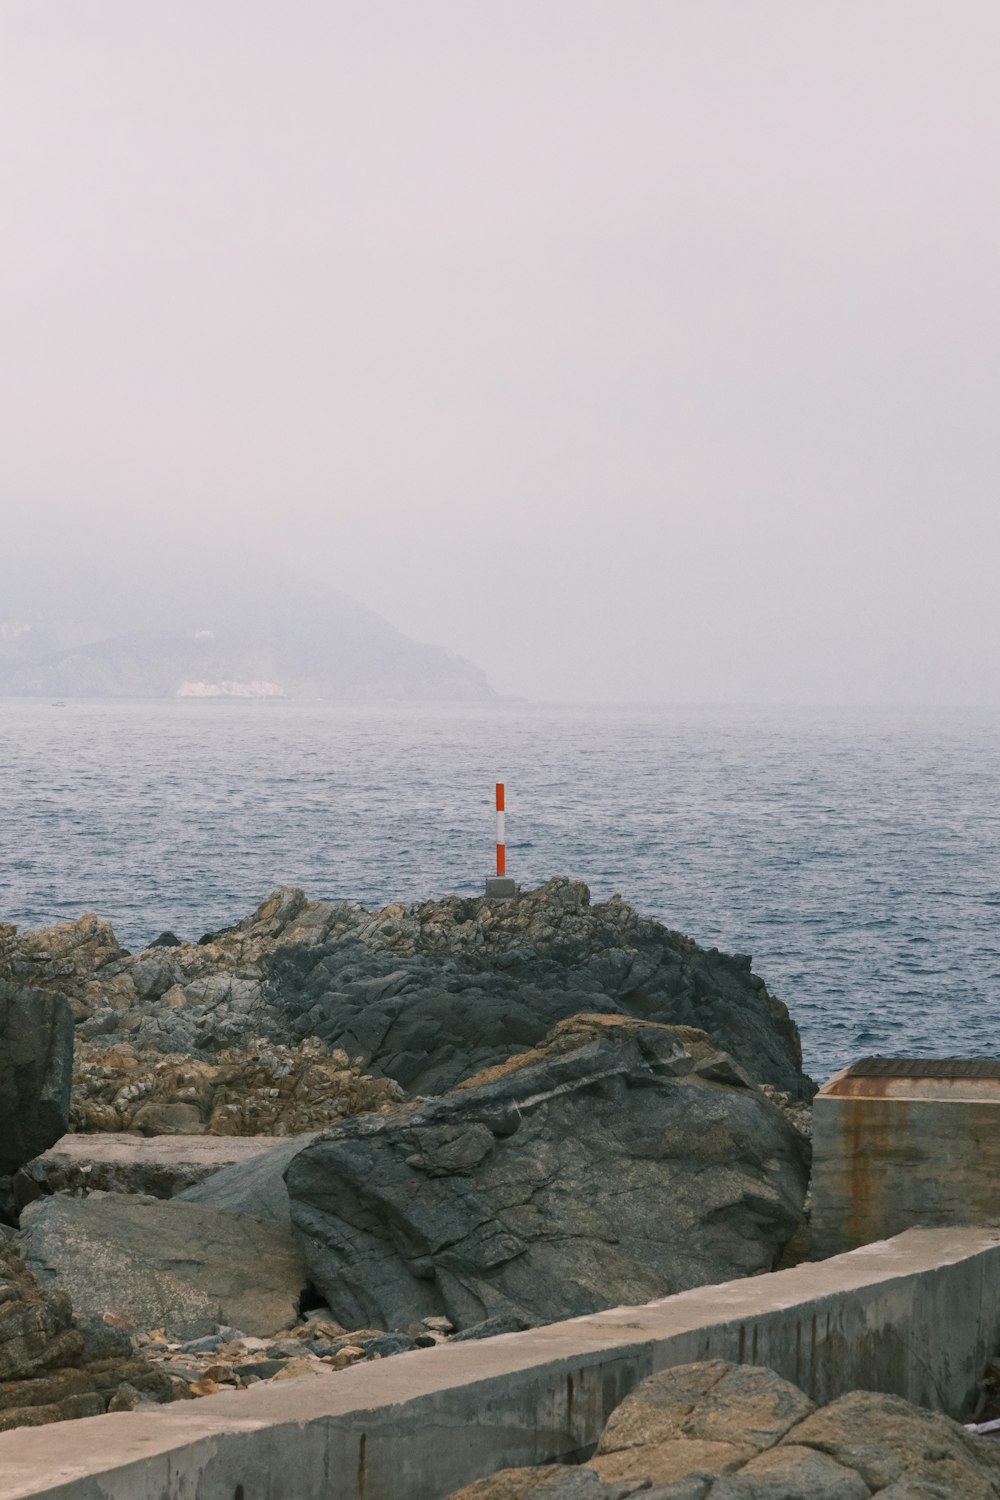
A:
[854, 853]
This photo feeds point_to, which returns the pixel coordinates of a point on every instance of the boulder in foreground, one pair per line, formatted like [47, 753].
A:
[718, 1431]
[619, 1161]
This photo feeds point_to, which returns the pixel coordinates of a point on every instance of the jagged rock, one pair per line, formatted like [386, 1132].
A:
[601, 1168]
[166, 939]
[36, 1064]
[717, 1431]
[81, 960]
[155, 1263]
[432, 992]
[425, 994]
[37, 1330]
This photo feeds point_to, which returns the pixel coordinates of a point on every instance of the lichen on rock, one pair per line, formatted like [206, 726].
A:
[261, 1089]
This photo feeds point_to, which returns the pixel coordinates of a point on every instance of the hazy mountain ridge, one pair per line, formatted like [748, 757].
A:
[195, 631]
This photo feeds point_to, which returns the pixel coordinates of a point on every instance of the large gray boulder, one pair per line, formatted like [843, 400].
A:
[157, 1263]
[36, 1071]
[618, 1162]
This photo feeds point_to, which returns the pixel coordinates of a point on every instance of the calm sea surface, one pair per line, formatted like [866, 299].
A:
[855, 854]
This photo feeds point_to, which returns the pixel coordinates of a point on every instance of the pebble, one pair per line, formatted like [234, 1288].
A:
[226, 1358]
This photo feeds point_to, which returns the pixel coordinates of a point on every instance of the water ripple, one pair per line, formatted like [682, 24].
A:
[854, 854]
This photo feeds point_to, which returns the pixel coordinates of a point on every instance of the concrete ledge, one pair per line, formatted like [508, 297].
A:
[918, 1315]
[114, 1147]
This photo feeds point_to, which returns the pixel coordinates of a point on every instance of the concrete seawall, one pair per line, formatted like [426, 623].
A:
[918, 1315]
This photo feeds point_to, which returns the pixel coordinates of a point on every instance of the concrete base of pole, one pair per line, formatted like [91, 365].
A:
[500, 887]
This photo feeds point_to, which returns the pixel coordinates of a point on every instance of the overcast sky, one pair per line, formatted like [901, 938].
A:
[640, 349]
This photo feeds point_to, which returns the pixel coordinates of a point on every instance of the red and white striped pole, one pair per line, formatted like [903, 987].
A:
[501, 845]
[500, 887]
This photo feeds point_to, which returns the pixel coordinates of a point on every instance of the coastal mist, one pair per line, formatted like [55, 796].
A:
[855, 854]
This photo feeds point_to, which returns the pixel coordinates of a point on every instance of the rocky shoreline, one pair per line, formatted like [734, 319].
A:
[485, 1116]
[327, 1135]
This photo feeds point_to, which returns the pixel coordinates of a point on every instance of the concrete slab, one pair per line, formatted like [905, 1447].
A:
[212, 1151]
[163, 1165]
[918, 1315]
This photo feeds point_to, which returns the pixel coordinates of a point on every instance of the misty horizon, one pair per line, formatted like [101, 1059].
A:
[636, 355]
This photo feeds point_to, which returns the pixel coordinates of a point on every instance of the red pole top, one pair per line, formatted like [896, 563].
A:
[499, 796]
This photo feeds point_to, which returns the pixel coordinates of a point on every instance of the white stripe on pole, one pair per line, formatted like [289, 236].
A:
[501, 850]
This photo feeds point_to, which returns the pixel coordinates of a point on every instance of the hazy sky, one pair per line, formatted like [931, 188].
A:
[635, 350]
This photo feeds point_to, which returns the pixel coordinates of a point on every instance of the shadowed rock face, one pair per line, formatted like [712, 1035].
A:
[618, 1162]
[36, 1072]
[717, 1431]
[425, 994]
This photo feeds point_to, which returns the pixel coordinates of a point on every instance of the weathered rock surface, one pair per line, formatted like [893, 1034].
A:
[155, 1263]
[717, 1431]
[50, 1370]
[619, 1161]
[425, 994]
[55, 1366]
[36, 1063]
[260, 1089]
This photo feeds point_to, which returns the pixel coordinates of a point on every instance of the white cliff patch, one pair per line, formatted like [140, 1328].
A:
[259, 687]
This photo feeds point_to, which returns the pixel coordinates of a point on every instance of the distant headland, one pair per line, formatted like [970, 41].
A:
[200, 631]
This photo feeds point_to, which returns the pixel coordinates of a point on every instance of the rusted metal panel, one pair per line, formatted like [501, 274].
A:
[917, 1077]
[925, 1067]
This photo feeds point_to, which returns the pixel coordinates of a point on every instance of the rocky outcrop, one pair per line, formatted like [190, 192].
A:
[619, 1161]
[717, 1431]
[36, 1062]
[154, 1263]
[425, 994]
